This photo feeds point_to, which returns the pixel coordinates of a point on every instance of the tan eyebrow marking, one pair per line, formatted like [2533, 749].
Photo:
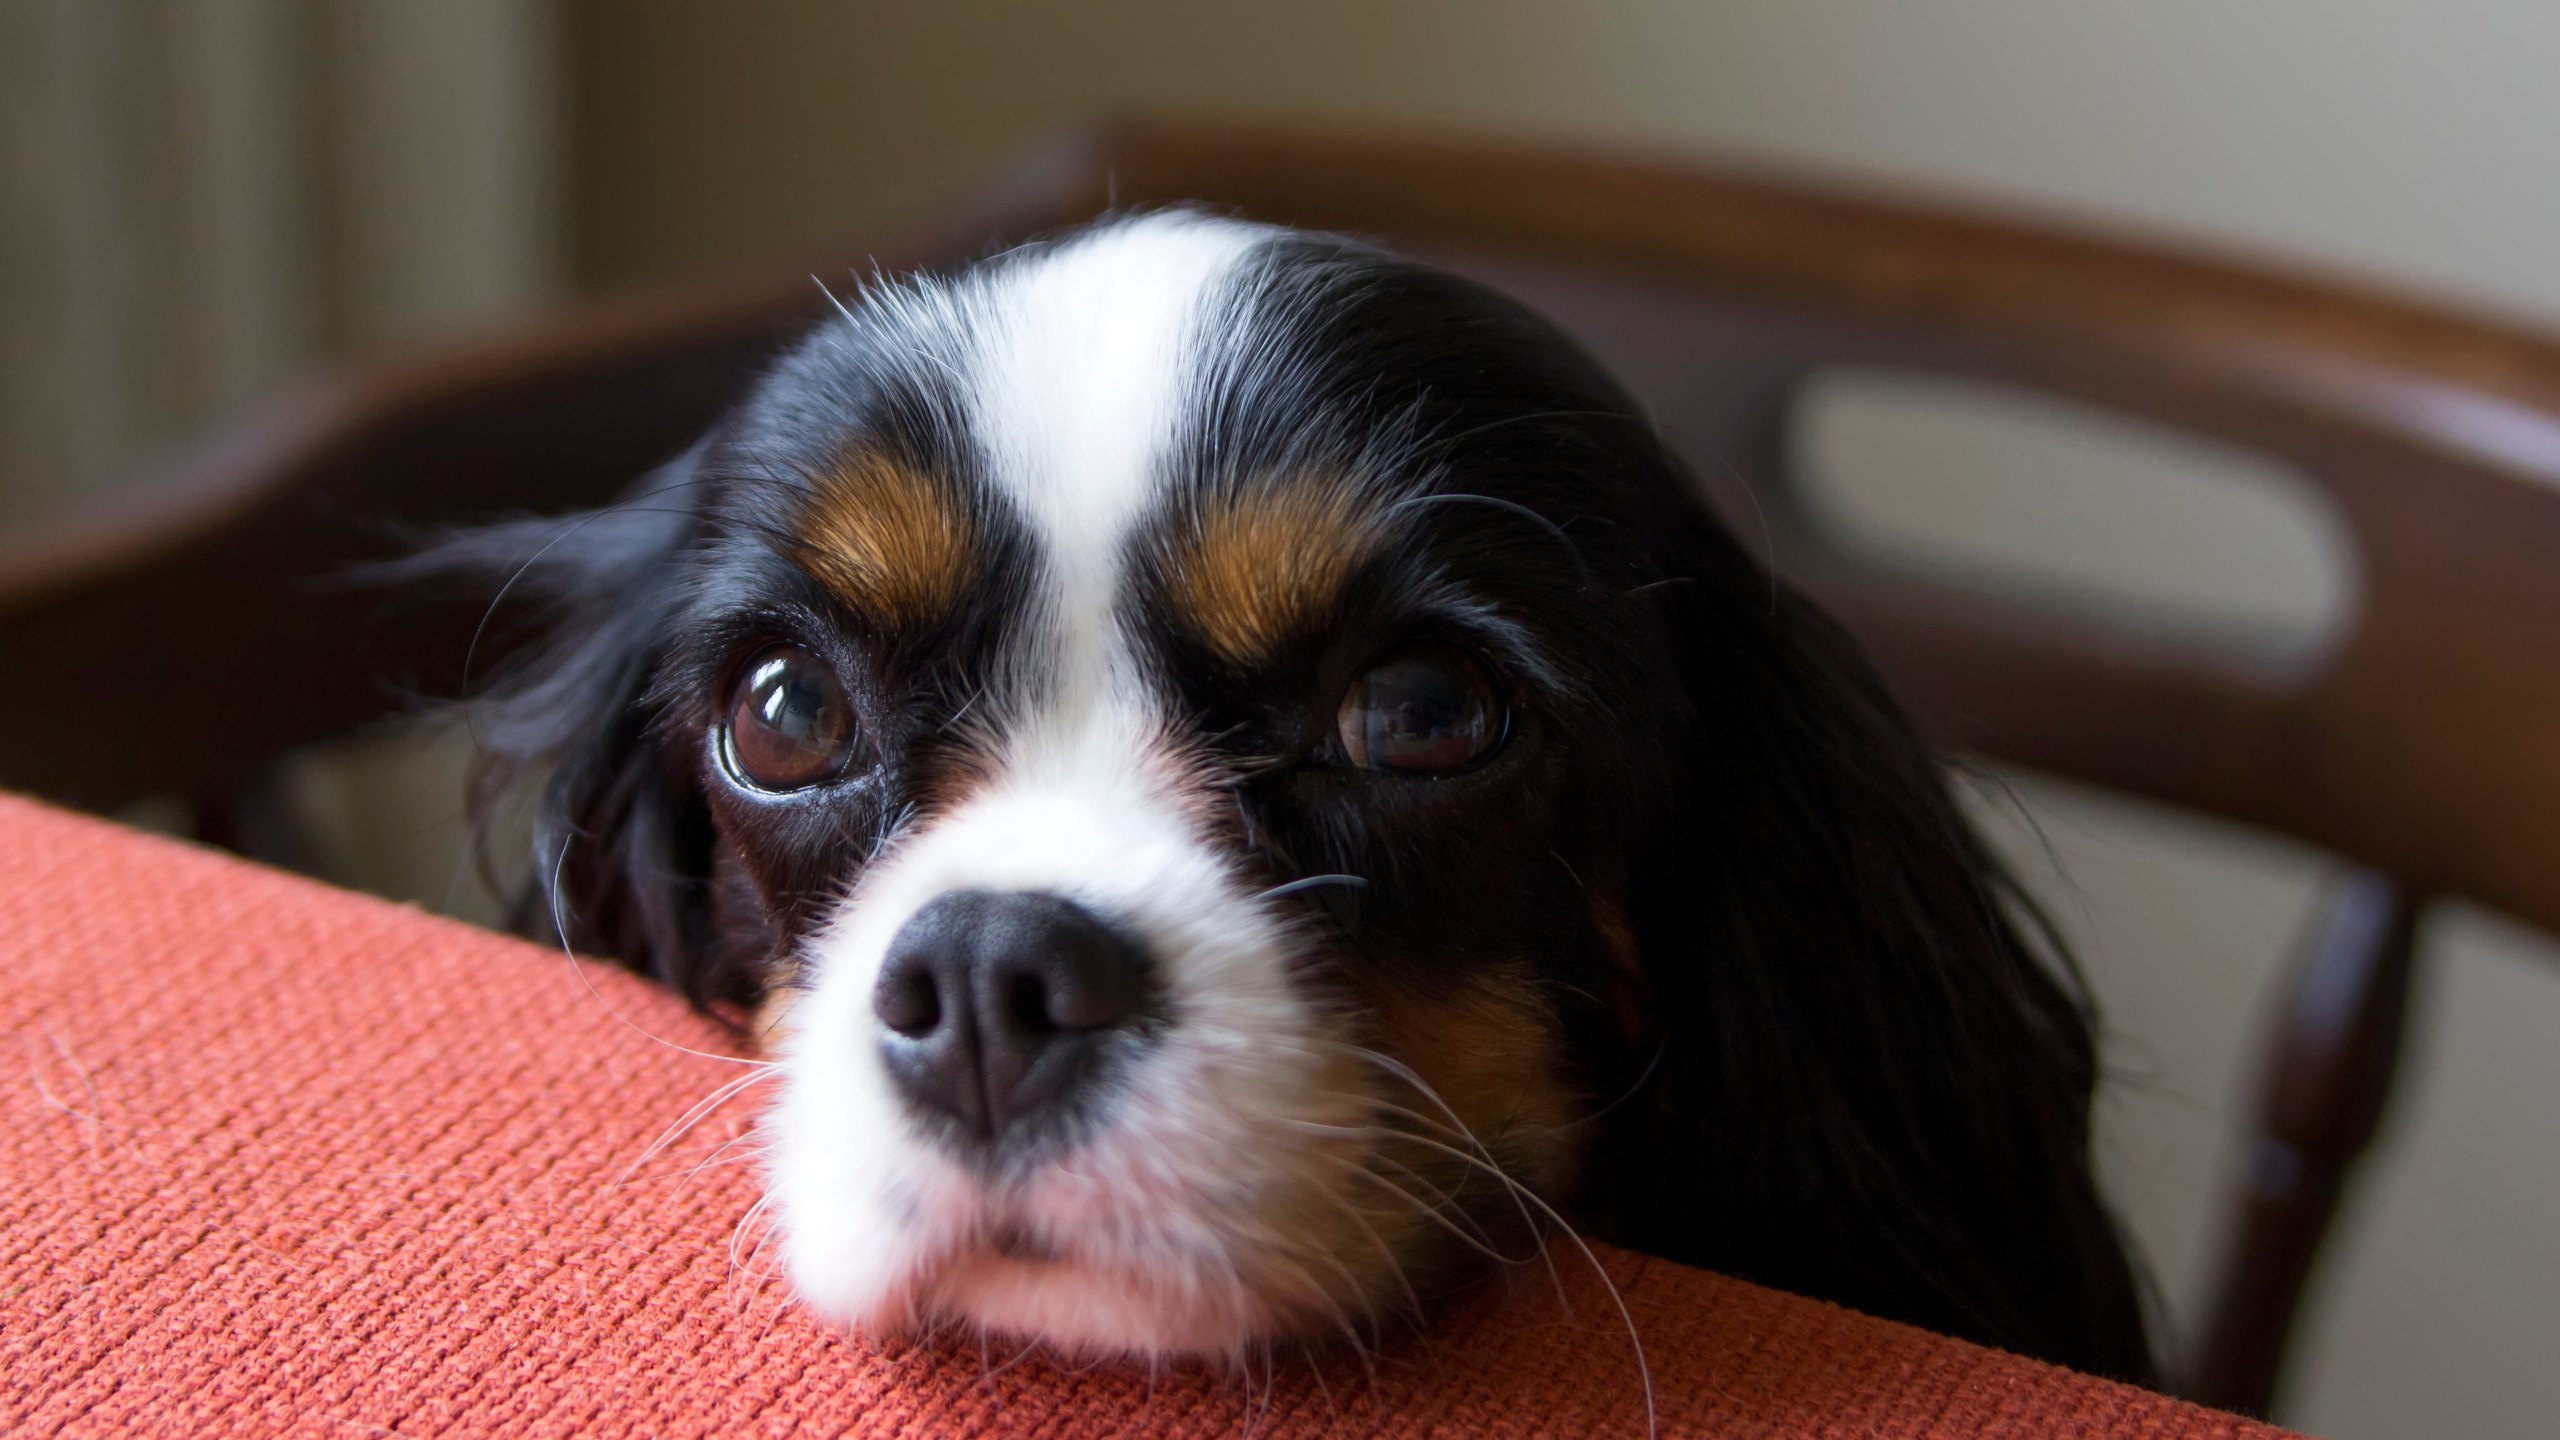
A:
[1490, 1047]
[1247, 569]
[887, 539]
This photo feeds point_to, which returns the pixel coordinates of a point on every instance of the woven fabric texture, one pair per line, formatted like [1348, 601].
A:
[277, 1159]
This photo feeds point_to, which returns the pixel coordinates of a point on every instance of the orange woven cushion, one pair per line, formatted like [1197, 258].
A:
[278, 1158]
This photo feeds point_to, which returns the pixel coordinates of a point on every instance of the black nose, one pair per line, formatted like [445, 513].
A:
[1002, 1006]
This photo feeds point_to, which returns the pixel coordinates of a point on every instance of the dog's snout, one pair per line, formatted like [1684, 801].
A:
[996, 1006]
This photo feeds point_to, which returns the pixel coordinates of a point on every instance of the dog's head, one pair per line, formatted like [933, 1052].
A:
[1236, 775]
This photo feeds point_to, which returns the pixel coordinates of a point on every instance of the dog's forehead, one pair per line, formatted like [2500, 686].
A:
[1086, 362]
[1029, 400]
[1180, 430]
[1135, 397]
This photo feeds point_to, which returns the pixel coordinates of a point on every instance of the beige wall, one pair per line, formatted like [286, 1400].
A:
[2416, 142]
[2409, 139]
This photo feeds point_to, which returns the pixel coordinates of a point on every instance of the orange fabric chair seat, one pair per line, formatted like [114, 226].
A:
[279, 1159]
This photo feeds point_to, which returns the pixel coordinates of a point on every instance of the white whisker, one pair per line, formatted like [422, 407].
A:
[1312, 882]
[696, 1113]
[560, 928]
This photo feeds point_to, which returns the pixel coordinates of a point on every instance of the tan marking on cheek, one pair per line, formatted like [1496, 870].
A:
[1248, 569]
[1493, 1054]
[1387, 1203]
[886, 539]
[1491, 1049]
[1626, 956]
[771, 1023]
[1376, 1195]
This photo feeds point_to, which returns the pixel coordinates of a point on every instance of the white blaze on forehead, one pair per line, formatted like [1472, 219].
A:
[1080, 379]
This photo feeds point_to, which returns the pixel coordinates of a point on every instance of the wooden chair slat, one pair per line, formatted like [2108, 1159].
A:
[2332, 1055]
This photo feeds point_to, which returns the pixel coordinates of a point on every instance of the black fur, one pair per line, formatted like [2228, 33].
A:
[1850, 1066]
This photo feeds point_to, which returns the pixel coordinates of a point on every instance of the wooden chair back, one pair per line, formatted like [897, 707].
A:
[184, 639]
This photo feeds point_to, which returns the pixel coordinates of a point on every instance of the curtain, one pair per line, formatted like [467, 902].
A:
[204, 200]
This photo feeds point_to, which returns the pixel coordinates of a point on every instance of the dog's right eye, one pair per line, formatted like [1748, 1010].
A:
[1423, 710]
[789, 723]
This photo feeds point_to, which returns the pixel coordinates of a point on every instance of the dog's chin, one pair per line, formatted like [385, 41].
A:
[1082, 1310]
[1006, 1286]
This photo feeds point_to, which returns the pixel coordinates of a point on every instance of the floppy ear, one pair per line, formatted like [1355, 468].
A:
[621, 841]
[1873, 1086]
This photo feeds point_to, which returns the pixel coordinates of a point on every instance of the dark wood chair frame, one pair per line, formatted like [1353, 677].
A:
[195, 627]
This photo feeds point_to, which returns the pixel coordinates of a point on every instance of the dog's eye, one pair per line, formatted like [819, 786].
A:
[790, 725]
[1426, 709]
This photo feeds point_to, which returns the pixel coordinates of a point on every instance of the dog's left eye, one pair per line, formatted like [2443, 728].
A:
[1425, 709]
[789, 723]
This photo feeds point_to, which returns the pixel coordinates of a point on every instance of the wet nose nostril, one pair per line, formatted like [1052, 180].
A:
[1028, 1004]
[907, 1000]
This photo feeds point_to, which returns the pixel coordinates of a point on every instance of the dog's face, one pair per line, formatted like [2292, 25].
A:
[1176, 784]
[1235, 779]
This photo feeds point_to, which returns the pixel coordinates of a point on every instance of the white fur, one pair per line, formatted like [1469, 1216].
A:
[1161, 1226]
[1080, 379]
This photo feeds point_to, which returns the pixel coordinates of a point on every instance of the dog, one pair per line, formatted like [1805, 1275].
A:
[1236, 778]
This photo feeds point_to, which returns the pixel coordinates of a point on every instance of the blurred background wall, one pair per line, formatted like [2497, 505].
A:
[203, 200]
[206, 199]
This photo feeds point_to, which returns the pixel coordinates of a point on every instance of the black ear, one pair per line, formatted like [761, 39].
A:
[1874, 1086]
[621, 841]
